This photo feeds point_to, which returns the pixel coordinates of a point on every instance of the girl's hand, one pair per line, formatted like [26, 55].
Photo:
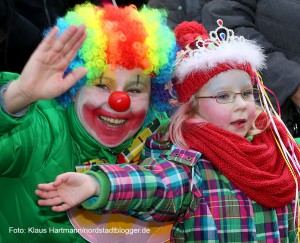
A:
[68, 190]
[43, 75]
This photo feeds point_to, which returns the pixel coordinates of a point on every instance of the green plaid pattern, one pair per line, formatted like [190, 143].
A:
[181, 185]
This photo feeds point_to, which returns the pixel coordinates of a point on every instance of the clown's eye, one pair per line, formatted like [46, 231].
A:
[102, 86]
[136, 91]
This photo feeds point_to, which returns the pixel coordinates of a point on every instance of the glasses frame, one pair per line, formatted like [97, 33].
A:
[234, 97]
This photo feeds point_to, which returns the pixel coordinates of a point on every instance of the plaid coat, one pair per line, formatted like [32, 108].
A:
[182, 186]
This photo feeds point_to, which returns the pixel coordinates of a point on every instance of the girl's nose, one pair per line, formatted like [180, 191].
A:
[239, 102]
[119, 101]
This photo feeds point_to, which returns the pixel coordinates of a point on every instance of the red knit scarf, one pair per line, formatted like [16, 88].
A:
[257, 168]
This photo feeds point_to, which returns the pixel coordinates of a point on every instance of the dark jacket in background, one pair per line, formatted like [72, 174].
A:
[137, 3]
[275, 25]
[179, 11]
[22, 23]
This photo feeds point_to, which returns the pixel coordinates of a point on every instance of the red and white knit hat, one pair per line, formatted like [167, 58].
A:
[204, 56]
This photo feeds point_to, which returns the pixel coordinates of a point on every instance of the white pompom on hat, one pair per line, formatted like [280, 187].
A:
[204, 56]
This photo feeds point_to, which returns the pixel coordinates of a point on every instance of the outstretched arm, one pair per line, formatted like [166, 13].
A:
[145, 190]
[43, 75]
[68, 190]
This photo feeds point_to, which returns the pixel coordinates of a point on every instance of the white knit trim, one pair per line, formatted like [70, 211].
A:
[239, 51]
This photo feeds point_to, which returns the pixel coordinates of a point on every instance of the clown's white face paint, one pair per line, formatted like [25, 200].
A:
[236, 117]
[107, 126]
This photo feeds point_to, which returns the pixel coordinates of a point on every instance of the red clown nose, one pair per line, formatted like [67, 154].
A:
[119, 101]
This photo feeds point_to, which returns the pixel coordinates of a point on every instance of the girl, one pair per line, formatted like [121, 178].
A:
[229, 172]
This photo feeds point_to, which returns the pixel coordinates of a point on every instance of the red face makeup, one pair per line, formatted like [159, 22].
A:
[107, 124]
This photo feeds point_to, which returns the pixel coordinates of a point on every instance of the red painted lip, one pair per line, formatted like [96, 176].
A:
[113, 125]
[101, 112]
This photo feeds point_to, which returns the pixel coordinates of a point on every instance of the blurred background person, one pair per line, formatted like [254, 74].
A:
[122, 3]
[22, 23]
[180, 10]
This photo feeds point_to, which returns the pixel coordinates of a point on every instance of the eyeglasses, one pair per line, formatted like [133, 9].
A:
[225, 97]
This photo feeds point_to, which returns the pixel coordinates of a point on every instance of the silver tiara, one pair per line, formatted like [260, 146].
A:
[218, 37]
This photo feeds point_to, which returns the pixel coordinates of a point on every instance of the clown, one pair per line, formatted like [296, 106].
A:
[107, 68]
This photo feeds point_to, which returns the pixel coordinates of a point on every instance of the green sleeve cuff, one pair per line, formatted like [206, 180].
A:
[5, 77]
[8, 122]
[102, 199]
[18, 114]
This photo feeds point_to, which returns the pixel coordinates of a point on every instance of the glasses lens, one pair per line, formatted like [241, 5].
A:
[229, 97]
[225, 97]
[256, 94]
[250, 95]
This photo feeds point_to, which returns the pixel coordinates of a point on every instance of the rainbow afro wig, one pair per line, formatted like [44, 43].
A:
[124, 37]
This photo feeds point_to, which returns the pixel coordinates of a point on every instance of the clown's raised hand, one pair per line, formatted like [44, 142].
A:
[68, 190]
[43, 74]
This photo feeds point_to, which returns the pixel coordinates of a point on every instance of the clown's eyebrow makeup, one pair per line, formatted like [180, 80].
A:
[107, 81]
[100, 79]
[127, 81]
[134, 82]
[137, 82]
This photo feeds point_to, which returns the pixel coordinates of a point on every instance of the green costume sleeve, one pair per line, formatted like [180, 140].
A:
[5, 77]
[104, 183]
[8, 122]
